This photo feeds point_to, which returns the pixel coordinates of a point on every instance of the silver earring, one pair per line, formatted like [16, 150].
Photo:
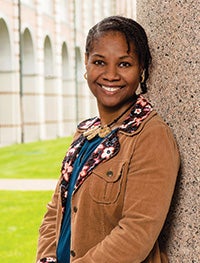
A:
[85, 75]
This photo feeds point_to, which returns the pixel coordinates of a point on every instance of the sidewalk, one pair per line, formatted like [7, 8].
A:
[28, 184]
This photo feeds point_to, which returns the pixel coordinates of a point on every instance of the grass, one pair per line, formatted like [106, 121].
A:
[22, 211]
[21, 215]
[33, 160]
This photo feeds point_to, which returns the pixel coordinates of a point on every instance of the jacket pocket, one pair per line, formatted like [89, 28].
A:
[105, 183]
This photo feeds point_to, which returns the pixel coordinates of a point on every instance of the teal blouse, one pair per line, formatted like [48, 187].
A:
[63, 249]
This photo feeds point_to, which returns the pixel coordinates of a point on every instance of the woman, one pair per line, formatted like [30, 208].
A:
[118, 176]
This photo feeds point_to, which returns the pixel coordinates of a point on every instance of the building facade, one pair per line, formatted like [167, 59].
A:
[43, 94]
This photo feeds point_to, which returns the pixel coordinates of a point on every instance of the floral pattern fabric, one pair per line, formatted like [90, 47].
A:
[48, 260]
[108, 148]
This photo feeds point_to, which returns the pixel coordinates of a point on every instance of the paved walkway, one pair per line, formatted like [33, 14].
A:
[27, 184]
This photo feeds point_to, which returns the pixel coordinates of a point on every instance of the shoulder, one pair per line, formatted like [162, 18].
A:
[152, 128]
[155, 131]
[155, 121]
[139, 124]
[155, 125]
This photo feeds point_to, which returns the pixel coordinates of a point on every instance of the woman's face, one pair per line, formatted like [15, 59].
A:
[112, 73]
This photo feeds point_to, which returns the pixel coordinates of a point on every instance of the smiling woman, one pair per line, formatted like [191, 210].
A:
[118, 176]
[113, 74]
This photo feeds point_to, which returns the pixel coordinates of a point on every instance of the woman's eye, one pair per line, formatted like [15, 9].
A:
[124, 64]
[99, 63]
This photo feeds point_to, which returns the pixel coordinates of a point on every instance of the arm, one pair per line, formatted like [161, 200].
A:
[48, 230]
[150, 184]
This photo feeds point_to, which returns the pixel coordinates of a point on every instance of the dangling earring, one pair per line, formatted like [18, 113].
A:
[85, 75]
[142, 77]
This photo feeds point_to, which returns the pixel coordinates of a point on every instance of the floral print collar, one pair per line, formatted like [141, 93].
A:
[108, 148]
[139, 112]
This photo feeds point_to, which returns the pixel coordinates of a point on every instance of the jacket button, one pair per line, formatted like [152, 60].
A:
[109, 173]
[75, 209]
[72, 252]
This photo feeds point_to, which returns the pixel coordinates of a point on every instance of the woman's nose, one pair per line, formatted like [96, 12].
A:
[111, 73]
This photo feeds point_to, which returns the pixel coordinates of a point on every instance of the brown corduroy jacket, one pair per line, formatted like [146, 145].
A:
[119, 210]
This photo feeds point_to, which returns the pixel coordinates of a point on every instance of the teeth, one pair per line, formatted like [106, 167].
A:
[110, 89]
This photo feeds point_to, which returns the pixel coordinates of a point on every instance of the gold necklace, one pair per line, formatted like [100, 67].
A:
[103, 131]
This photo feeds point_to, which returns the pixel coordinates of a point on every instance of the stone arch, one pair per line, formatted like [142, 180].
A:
[48, 57]
[30, 92]
[68, 102]
[5, 47]
[50, 92]
[9, 92]
[28, 65]
[79, 91]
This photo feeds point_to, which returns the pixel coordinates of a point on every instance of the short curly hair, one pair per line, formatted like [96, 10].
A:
[133, 32]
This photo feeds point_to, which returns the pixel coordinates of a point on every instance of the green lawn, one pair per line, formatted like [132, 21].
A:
[21, 215]
[22, 211]
[33, 160]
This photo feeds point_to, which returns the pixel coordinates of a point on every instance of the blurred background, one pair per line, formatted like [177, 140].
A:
[43, 94]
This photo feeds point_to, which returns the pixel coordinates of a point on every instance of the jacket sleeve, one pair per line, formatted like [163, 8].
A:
[46, 251]
[151, 178]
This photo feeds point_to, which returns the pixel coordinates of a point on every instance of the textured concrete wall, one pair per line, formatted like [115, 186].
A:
[173, 30]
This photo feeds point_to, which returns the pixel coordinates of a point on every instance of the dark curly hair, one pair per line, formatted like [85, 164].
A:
[133, 32]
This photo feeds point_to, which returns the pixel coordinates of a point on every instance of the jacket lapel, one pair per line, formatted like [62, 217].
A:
[108, 148]
[67, 167]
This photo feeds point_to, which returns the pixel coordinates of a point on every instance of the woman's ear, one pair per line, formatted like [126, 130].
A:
[86, 59]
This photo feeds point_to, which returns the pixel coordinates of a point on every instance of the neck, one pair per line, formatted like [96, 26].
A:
[108, 116]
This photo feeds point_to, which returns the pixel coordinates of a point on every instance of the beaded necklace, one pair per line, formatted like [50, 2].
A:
[103, 131]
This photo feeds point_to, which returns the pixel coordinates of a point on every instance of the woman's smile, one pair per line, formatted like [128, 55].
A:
[111, 88]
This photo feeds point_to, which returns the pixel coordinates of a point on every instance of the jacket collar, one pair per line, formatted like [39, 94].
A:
[141, 109]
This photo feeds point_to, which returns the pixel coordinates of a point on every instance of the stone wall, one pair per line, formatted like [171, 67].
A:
[173, 30]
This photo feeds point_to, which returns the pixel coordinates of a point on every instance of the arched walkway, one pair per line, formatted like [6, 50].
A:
[30, 90]
[68, 93]
[50, 92]
[9, 93]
